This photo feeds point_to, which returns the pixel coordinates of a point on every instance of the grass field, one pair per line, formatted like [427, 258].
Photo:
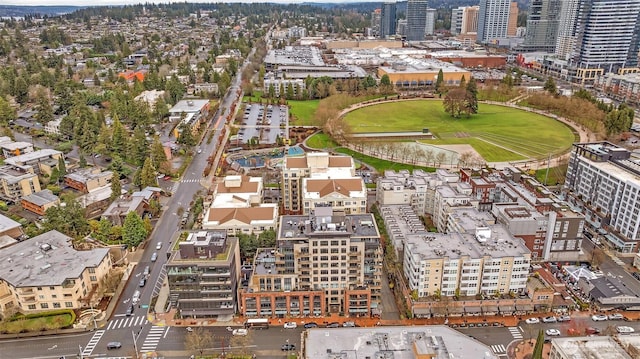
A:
[321, 141]
[497, 133]
[303, 112]
[379, 164]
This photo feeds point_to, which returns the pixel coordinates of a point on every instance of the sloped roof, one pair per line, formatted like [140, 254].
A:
[327, 186]
[244, 215]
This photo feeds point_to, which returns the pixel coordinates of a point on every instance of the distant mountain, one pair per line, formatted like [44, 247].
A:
[21, 11]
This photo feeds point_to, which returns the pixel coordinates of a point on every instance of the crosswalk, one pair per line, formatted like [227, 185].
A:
[88, 349]
[515, 332]
[127, 322]
[498, 349]
[190, 180]
[153, 338]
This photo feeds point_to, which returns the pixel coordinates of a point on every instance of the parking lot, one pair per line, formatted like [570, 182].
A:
[264, 122]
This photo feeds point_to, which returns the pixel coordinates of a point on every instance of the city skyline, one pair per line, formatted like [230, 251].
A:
[135, 2]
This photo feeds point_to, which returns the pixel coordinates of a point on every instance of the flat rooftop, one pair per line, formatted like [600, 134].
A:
[295, 55]
[325, 223]
[188, 106]
[46, 260]
[32, 156]
[437, 341]
[589, 348]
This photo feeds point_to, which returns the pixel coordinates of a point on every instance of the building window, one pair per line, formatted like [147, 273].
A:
[44, 305]
[56, 305]
[92, 270]
[93, 278]
[68, 304]
[32, 306]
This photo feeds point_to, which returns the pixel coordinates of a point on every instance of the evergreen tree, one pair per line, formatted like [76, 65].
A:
[83, 160]
[62, 167]
[537, 350]
[119, 137]
[550, 86]
[133, 229]
[440, 83]
[472, 91]
[158, 156]
[148, 174]
[116, 186]
[186, 136]
[44, 110]
[7, 113]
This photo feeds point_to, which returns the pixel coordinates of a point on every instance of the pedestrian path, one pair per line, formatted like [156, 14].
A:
[515, 332]
[127, 322]
[498, 349]
[190, 180]
[153, 338]
[88, 349]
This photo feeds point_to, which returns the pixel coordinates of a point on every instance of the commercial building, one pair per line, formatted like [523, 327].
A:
[316, 165]
[602, 182]
[203, 275]
[566, 29]
[388, 20]
[324, 262]
[422, 73]
[587, 348]
[46, 273]
[376, 18]
[88, 179]
[414, 342]
[189, 112]
[622, 87]
[430, 23]
[542, 25]
[416, 19]
[493, 20]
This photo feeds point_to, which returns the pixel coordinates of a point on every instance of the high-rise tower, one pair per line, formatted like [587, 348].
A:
[388, 20]
[416, 19]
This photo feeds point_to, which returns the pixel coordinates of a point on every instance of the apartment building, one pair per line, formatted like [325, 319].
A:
[16, 183]
[45, 273]
[11, 148]
[346, 194]
[317, 165]
[278, 85]
[39, 202]
[203, 275]
[387, 20]
[41, 161]
[603, 183]
[88, 179]
[237, 206]
[464, 20]
[324, 262]
[493, 20]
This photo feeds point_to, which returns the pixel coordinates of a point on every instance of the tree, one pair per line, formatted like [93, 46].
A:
[22, 91]
[508, 80]
[7, 113]
[148, 174]
[456, 102]
[440, 83]
[158, 156]
[537, 350]
[472, 93]
[68, 219]
[62, 167]
[550, 86]
[133, 229]
[83, 160]
[44, 110]
[186, 136]
[116, 186]
[198, 339]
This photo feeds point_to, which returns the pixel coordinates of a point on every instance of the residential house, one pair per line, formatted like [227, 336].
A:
[87, 179]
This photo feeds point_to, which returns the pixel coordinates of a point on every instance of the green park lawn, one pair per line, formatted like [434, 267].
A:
[321, 141]
[303, 112]
[497, 133]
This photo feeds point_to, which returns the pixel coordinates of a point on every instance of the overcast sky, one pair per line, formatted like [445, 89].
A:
[122, 2]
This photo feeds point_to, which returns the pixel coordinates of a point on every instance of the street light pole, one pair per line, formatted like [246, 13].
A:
[80, 347]
[135, 345]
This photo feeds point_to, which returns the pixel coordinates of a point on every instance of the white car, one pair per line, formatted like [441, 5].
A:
[550, 319]
[290, 325]
[159, 245]
[625, 329]
[599, 318]
[532, 321]
[564, 318]
[552, 332]
[616, 316]
[240, 332]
